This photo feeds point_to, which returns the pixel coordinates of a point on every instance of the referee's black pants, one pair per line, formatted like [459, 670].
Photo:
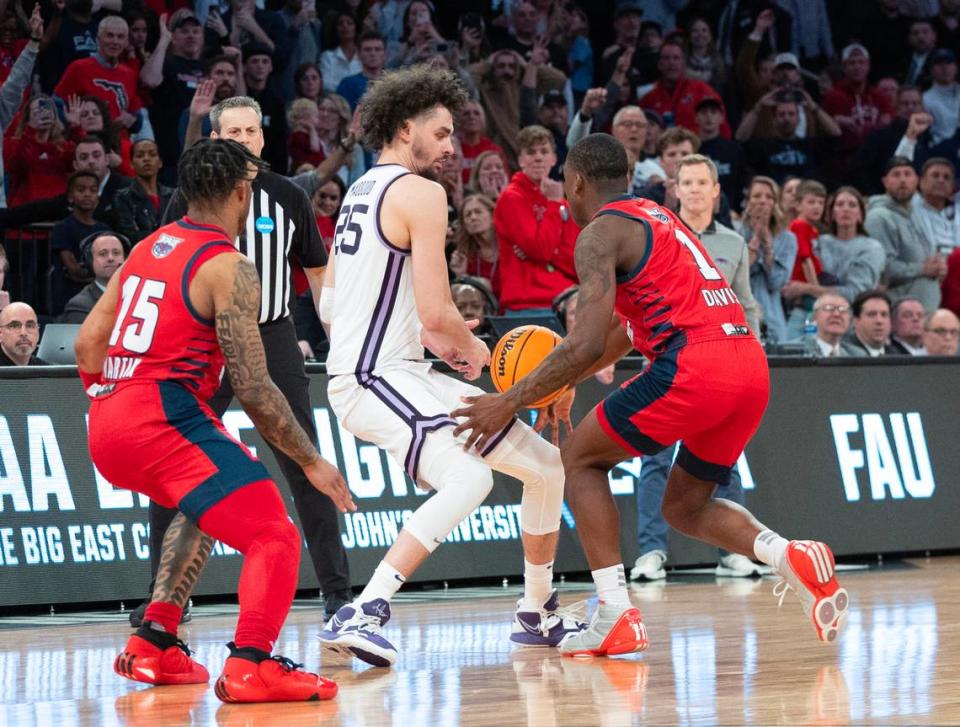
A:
[318, 515]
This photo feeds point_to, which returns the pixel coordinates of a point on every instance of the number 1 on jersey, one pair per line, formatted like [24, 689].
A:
[138, 335]
[706, 269]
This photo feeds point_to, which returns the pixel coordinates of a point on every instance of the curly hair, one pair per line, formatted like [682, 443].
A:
[211, 168]
[399, 96]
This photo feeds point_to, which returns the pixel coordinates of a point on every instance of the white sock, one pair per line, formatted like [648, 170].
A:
[611, 585]
[537, 584]
[385, 581]
[770, 548]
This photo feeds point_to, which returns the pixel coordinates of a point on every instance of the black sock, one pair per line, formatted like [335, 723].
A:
[158, 637]
[249, 653]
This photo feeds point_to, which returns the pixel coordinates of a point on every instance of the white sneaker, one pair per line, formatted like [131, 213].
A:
[734, 565]
[649, 566]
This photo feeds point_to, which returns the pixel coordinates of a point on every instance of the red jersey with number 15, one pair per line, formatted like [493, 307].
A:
[158, 335]
[675, 295]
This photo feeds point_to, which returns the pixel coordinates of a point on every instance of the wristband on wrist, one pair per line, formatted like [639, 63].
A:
[90, 381]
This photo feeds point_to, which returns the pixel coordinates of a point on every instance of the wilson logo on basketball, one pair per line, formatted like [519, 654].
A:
[507, 346]
[518, 353]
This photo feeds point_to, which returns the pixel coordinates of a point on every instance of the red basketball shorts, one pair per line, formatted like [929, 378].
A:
[158, 439]
[709, 395]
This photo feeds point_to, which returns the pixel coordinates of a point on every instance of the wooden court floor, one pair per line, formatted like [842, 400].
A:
[721, 654]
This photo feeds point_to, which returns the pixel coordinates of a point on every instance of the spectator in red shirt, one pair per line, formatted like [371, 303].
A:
[857, 107]
[326, 205]
[10, 44]
[136, 53]
[303, 143]
[472, 131]
[104, 76]
[674, 93]
[811, 197]
[807, 268]
[37, 158]
[476, 251]
[535, 230]
[489, 175]
[91, 115]
[950, 286]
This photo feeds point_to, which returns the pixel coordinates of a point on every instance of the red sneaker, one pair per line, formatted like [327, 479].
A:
[613, 630]
[274, 679]
[143, 660]
[809, 569]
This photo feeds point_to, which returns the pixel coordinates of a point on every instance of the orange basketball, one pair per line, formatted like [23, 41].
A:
[518, 353]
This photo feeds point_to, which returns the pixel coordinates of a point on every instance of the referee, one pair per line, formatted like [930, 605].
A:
[280, 226]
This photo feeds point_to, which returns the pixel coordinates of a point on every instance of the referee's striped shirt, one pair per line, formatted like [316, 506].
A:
[281, 227]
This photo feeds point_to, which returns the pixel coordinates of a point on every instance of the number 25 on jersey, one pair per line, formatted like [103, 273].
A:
[347, 226]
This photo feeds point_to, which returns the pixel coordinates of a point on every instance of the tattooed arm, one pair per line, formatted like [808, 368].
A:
[604, 244]
[585, 345]
[236, 307]
[231, 282]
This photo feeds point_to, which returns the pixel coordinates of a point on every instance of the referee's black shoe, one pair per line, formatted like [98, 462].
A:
[136, 615]
[333, 601]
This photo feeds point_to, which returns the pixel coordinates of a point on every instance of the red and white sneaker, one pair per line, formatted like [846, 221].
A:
[809, 569]
[269, 679]
[613, 630]
[158, 658]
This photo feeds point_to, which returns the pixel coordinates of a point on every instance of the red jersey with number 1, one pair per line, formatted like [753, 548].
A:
[159, 336]
[675, 295]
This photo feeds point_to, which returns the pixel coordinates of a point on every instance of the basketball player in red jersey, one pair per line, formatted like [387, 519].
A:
[646, 283]
[150, 354]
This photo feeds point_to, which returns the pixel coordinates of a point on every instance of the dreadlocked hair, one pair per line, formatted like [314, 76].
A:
[211, 169]
[399, 96]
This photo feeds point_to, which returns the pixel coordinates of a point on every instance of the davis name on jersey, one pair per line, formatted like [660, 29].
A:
[675, 295]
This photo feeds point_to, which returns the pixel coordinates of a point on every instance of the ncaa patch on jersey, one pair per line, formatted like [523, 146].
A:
[164, 245]
[264, 225]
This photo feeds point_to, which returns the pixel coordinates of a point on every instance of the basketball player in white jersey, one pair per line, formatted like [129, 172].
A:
[386, 295]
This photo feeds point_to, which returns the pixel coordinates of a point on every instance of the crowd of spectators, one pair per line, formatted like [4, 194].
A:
[831, 131]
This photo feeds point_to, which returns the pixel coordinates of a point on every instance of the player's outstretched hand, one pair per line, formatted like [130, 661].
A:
[556, 416]
[327, 478]
[486, 416]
